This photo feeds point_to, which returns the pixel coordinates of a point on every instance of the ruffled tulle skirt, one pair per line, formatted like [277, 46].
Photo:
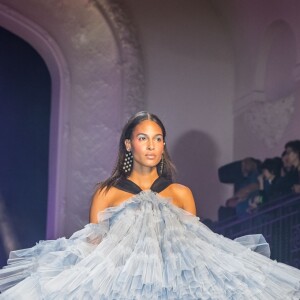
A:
[147, 248]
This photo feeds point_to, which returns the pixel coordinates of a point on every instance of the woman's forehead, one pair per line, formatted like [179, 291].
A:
[147, 126]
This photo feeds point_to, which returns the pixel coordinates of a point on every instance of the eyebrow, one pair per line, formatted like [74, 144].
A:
[148, 135]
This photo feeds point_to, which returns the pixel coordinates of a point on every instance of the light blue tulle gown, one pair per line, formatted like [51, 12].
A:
[147, 248]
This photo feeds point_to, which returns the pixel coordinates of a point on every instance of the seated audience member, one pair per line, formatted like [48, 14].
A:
[271, 184]
[286, 166]
[292, 149]
[231, 173]
[245, 185]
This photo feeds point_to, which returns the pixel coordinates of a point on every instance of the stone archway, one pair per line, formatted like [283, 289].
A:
[56, 63]
[97, 82]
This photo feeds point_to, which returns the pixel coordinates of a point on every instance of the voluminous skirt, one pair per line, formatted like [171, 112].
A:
[147, 248]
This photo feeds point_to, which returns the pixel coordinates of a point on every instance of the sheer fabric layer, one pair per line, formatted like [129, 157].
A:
[147, 248]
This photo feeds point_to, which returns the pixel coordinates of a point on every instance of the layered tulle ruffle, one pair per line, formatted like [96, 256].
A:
[147, 248]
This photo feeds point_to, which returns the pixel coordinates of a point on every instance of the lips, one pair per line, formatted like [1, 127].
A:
[150, 156]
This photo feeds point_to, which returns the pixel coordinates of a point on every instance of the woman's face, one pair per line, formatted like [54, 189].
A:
[292, 156]
[285, 161]
[146, 144]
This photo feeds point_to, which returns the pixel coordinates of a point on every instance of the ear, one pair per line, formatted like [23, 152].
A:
[127, 144]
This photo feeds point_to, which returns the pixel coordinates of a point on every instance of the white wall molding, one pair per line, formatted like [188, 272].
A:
[243, 103]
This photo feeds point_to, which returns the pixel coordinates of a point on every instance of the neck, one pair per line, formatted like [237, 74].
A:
[143, 179]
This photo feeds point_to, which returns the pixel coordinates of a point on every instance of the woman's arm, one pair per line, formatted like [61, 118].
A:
[189, 203]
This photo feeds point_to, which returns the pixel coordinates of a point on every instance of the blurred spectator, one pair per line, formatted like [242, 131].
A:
[292, 149]
[271, 184]
[280, 176]
[286, 166]
[243, 174]
[270, 179]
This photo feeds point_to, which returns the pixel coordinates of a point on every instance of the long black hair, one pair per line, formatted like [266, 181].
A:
[168, 170]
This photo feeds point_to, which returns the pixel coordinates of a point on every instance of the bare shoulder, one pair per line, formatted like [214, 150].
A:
[183, 197]
[102, 195]
[180, 189]
[104, 198]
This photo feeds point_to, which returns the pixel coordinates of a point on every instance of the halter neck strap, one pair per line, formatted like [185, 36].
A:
[129, 186]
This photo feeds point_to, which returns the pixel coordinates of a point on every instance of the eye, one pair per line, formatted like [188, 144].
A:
[141, 138]
[159, 139]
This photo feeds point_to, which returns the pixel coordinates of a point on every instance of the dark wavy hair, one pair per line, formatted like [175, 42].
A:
[273, 165]
[294, 145]
[168, 170]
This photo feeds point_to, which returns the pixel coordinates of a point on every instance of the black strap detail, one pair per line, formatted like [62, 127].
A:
[129, 186]
[160, 184]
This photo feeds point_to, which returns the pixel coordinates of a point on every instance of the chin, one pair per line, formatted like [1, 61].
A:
[151, 165]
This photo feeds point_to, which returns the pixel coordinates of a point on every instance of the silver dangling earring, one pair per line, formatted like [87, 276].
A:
[127, 162]
[161, 165]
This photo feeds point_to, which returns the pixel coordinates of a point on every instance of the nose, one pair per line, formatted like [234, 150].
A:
[150, 145]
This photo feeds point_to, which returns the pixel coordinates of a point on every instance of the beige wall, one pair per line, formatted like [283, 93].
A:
[188, 63]
[265, 35]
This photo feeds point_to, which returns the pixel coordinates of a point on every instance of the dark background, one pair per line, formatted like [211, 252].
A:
[25, 96]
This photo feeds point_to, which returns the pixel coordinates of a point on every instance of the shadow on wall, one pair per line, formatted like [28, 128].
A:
[194, 155]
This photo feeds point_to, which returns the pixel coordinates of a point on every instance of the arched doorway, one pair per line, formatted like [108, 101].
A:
[25, 90]
[122, 83]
